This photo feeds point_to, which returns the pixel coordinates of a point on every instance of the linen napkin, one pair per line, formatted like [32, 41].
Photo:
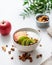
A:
[48, 61]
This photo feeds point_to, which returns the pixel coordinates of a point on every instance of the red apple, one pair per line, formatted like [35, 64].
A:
[5, 27]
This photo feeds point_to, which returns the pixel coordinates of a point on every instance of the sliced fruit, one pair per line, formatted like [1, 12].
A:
[24, 42]
[21, 39]
[21, 33]
[17, 35]
[29, 41]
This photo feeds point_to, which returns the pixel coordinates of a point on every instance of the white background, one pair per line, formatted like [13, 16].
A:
[10, 10]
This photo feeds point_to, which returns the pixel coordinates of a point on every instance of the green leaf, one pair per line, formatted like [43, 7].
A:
[37, 6]
[25, 3]
[51, 5]
[25, 11]
[51, 1]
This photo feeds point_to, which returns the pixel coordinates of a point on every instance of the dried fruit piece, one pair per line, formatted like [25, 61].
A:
[30, 58]
[13, 49]
[12, 58]
[20, 57]
[23, 59]
[39, 55]
[4, 48]
[6, 45]
[40, 45]
[26, 56]
[12, 45]
[9, 52]
[39, 30]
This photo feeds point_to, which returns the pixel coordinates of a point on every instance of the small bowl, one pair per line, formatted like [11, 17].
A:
[30, 47]
[42, 24]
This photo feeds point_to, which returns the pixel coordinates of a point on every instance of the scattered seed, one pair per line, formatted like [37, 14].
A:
[6, 45]
[12, 45]
[12, 58]
[40, 45]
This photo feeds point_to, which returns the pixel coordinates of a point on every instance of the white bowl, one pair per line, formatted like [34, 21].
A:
[42, 24]
[30, 47]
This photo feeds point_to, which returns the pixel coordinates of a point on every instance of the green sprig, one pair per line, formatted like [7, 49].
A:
[36, 6]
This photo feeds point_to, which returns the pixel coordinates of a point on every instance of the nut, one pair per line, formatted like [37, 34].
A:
[4, 48]
[9, 52]
[13, 49]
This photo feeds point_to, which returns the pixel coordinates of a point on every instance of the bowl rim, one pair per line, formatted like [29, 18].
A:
[30, 29]
[42, 15]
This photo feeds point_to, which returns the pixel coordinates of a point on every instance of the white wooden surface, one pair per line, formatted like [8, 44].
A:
[10, 10]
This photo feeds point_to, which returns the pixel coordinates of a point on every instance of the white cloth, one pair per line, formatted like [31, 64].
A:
[48, 61]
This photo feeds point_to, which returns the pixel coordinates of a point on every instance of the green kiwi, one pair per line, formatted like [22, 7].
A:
[28, 42]
[24, 42]
[21, 39]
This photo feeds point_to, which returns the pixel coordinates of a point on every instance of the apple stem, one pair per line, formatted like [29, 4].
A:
[3, 22]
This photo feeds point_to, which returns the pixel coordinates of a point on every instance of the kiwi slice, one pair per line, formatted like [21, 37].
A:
[28, 42]
[24, 42]
[21, 39]
[31, 41]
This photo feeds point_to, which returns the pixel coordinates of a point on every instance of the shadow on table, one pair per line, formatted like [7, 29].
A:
[5, 39]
